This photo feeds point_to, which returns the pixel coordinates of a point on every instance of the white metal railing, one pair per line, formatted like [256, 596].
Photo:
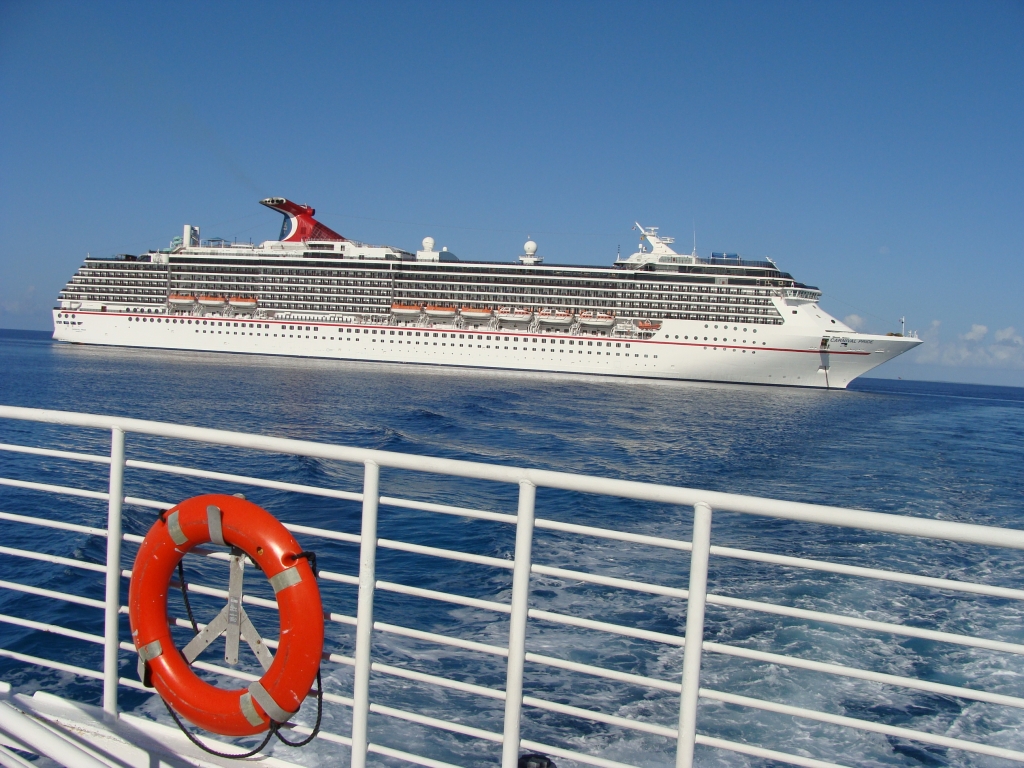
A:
[687, 685]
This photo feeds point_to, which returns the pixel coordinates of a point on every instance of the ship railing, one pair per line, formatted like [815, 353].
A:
[688, 726]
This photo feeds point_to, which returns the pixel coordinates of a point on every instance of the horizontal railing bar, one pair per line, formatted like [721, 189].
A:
[607, 533]
[447, 597]
[603, 626]
[433, 722]
[147, 503]
[41, 662]
[862, 725]
[568, 754]
[609, 581]
[59, 525]
[864, 674]
[442, 682]
[417, 634]
[398, 754]
[341, 578]
[56, 559]
[611, 674]
[323, 533]
[447, 509]
[788, 510]
[54, 628]
[305, 730]
[129, 683]
[448, 554]
[88, 601]
[340, 618]
[601, 717]
[870, 573]
[853, 621]
[771, 754]
[63, 490]
[89, 457]
[309, 490]
[201, 589]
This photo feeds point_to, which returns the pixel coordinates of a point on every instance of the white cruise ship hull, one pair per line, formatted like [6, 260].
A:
[800, 355]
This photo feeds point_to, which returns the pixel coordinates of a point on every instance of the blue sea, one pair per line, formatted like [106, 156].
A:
[947, 451]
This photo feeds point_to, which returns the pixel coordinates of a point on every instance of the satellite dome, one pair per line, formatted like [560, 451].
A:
[530, 248]
[428, 243]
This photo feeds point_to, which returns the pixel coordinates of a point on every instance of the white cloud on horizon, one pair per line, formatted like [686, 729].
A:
[1005, 350]
[21, 304]
[977, 333]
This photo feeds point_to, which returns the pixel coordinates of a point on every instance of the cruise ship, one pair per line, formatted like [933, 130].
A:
[314, 293]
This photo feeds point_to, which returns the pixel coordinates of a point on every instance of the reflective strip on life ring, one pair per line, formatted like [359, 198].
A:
[230, 521]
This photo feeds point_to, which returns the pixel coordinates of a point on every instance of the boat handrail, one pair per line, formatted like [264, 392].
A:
[364, 488]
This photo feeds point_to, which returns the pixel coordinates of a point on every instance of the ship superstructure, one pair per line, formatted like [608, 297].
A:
[315, 293]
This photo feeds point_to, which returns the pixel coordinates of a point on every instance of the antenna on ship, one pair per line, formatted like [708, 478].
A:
[903, 326]
[694, 254]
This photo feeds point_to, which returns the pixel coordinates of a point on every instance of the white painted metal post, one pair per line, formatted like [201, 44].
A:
[694, 634]
[364, 614]
[517, 624]
[112, 618]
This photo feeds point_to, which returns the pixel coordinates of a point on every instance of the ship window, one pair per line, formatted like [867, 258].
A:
[562, 341]
[619, 345]
[435, 335]
[514, 339]
[590, 343]
[392, 333]
[488, 338]
[755, 330]
[374, 333]
[462, 335]
[417, 333]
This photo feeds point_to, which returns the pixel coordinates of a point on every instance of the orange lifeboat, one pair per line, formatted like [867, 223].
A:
[439, 312]
[406, 310]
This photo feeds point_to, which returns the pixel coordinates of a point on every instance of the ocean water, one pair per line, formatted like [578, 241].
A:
[944, 451]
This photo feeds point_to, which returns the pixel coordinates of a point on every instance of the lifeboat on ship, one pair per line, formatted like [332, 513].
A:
[591, 319]
[242, 302]
[476, 314]
[406, 310]
[212, 301]
[437, 312]
[648, 325]
[557, 317]
[515, 315]
[180, 300]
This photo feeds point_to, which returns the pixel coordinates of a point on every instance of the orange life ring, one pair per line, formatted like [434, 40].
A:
[231, 521]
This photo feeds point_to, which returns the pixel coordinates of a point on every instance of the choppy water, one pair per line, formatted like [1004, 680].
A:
[936, 450]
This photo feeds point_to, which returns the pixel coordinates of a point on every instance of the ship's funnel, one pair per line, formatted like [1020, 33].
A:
[299, 224]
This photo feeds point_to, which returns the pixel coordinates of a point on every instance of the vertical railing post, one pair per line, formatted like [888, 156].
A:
[364, 614]
[695, 602]
[517, 624]
[112, 616]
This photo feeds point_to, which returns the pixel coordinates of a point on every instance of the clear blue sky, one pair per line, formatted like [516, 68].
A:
[875, 150]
